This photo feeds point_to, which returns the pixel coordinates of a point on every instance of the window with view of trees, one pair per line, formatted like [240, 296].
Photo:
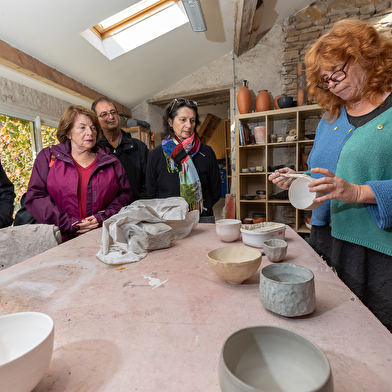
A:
[16, 150]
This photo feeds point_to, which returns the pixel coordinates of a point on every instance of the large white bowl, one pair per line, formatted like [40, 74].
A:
[234, 263]
[287, 289]
[26, 346]
[228, 230]
[299, 195]
[273, 359]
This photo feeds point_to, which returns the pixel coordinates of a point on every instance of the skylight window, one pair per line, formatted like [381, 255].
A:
[135, 26]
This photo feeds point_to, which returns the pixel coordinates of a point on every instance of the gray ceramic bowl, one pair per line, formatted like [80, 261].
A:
[287, 289]
[285, 102]
[264, 358]
[275, 249]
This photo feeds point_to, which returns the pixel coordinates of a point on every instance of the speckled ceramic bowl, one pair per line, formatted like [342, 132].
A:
[234, 263]
[287, 289]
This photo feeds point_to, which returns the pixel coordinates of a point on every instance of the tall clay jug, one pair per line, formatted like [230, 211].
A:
[244, 98]
[263, 101]
[301, 85]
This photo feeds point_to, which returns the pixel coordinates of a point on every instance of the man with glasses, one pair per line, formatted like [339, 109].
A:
[131, 152]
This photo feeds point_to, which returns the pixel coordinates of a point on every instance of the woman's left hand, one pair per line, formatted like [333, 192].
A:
[333, 187]
[85, 225]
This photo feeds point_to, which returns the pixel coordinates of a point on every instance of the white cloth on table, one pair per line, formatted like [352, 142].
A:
[145, 225]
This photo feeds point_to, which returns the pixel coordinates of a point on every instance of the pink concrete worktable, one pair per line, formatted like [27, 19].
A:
[159, 324]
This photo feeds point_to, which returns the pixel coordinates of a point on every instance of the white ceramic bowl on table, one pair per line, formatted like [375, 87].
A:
[255, 234]
[234, 263]
[266, 358]
[299, 195]
[26, 346]
[228, 230]
[287, 289]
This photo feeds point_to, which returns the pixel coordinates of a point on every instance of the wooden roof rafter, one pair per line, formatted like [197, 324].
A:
[247, 24]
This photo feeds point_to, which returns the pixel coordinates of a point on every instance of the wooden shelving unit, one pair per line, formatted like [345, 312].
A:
[304, 120]
[141, 134]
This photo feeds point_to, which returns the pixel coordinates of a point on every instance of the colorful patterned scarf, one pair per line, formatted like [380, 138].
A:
[179, 159]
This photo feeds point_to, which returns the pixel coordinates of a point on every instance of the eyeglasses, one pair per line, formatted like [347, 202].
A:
[337, 76]
[179, 101]
[106, 114]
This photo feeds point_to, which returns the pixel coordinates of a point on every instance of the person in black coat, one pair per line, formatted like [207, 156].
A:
[131, 152]
[182, 165]
[7, 197]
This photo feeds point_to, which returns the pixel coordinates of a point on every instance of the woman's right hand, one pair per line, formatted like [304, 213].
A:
[281, 181]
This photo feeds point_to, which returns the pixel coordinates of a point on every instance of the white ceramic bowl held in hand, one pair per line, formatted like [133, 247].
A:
[263, 358]
[299, 195]
[287, 289]
[228, 230]
[26, 346]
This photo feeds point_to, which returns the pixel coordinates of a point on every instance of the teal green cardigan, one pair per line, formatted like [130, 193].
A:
[366, 158]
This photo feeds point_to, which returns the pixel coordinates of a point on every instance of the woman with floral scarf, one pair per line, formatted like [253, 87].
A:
[182, 165]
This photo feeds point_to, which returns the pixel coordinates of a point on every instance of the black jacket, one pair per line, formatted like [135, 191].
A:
[161, 183]
[133, 155]
[7, 197]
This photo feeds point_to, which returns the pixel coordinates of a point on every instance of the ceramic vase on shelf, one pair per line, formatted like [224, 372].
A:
[263, 101]
[259, 134]
[301, 85]
[276, 106]
[244, 98]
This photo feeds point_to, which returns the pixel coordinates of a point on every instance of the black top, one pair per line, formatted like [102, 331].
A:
[133, 155]
[7, 197]
[358, 121]
[160, 183]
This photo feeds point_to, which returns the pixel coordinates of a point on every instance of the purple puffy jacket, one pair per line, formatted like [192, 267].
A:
[52, 192]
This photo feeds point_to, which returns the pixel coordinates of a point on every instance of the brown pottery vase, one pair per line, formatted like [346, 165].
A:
[244, 98]
[301, 85]
[263, 101]
[276, 106]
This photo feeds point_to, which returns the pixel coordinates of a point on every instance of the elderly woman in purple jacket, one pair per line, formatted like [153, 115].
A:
[75, 184]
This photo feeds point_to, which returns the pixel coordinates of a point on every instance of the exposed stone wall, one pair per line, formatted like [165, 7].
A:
[304, 28]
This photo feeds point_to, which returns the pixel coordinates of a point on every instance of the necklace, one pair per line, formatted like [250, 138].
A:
[352, 105]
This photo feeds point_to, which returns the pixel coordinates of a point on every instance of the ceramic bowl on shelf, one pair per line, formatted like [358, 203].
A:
[285, 102]
[234, 263]
[268, 358]
[287, 289]
[299, 195]
[275, 249]
[228, 230]
[249, 196]
[26, 341]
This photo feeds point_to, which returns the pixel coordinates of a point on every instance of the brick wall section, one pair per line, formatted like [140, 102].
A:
[304, 28]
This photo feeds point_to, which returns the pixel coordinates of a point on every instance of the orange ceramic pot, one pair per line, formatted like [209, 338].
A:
[276, 106]
[244, 99]
[263, 101]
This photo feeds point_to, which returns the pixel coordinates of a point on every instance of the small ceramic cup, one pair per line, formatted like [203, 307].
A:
[228, 230]
[275, 249]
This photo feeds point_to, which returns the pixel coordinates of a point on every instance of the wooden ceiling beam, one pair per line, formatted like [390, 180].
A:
[23, 63]
[247, 23]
